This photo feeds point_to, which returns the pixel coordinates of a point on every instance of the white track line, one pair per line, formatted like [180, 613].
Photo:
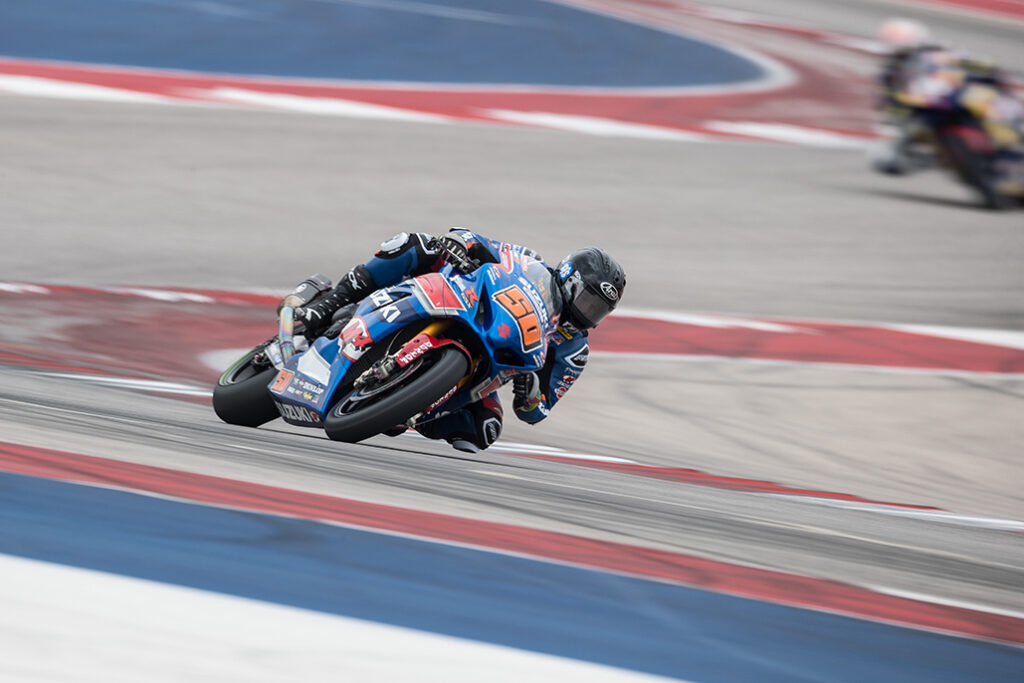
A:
[131, 383]
[323, 106]
[1005, 338]
[941, 516]
[847, 367]
[161, 294]
[710, 320]
[48, 87]
[784, 132]
[518, 448]
[18, 288]
[714, 131]
[936, 600]
[592, 125]
[65, 623]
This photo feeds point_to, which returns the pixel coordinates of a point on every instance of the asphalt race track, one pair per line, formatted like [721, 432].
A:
[902, 485]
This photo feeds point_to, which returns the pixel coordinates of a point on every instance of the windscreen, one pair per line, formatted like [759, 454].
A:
[540, 277]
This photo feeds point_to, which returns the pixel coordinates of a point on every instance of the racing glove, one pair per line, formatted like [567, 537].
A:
[453, 249]
[526, 392]
[314, 318]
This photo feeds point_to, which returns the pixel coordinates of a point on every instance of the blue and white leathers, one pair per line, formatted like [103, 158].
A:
[567, 350]
[563, 351]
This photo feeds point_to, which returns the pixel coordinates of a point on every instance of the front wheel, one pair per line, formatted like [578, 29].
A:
[241, 396]
[428, 382]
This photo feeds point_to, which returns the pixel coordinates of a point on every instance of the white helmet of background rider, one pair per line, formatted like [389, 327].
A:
[903, 34]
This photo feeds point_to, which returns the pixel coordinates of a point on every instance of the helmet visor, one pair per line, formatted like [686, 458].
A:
[590, 307]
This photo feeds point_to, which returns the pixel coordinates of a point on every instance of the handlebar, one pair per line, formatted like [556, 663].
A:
[456, 260]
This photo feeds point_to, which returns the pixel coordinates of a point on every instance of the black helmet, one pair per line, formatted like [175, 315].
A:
[591, 282]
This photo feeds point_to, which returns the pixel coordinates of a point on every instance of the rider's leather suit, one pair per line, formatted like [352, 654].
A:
[479, 424]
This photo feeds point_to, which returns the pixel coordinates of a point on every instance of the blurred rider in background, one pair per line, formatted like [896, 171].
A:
[587, 283]
[919, 73]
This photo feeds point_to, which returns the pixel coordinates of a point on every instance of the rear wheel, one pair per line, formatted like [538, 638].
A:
[977, 170]
[360, 415]
[241, 397]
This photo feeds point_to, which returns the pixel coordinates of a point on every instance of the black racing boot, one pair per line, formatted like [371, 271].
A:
[352, 287]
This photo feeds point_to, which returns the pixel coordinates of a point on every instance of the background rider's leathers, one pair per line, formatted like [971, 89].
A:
[914, 80]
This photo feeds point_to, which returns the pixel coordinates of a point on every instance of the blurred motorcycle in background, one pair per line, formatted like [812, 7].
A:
[946, 109]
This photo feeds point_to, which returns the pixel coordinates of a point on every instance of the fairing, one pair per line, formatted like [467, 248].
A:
[508, 307]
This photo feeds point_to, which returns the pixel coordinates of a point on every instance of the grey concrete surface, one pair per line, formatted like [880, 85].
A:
[979, 566]
[145, 195]
[101, 193]
[948, 442]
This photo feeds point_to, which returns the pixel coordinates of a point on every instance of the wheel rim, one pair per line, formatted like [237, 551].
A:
[357, 399]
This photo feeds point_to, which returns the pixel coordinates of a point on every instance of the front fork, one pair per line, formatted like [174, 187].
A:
[427, 340]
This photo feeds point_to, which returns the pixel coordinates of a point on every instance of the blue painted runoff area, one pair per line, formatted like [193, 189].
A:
[497, 42]
[529, 604]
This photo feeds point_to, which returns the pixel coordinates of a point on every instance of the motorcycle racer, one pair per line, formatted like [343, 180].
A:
[921, 78]
[909, 51]
[589, 285]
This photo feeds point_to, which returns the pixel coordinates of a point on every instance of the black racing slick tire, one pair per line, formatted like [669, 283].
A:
[241, 397]
[976, 171]
[427, 385]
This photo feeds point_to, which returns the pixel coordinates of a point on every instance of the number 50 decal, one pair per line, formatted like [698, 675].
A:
[519, 307]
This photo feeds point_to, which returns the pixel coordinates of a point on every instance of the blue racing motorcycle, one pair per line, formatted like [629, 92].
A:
[408, 354]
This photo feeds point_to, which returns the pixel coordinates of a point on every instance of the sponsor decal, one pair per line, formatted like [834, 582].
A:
[508, 261]
[380, 298]
[284, 378]
[609, 291]
[408, 355]
[560, 392]
[437, 295]
[354, 339]
[356, 334]
[564, 271]
[471, 297]
[485, 388]
[448, 394]
[504, 331]
[580, 358]
[391, 313]
[535, 299]
[491, 430]
[310, 387]
[306, 390]
[296, 413]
